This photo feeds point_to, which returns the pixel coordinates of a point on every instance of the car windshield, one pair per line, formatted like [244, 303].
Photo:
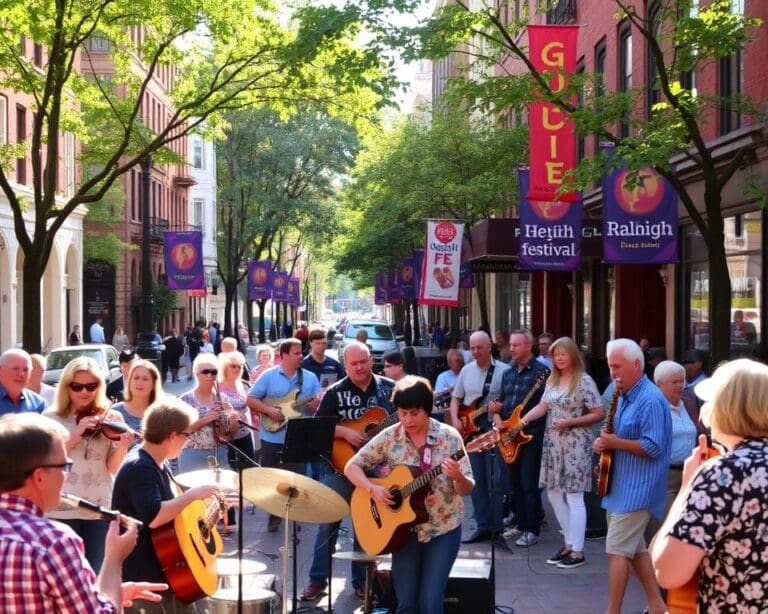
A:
[375, 331]
[59, 360]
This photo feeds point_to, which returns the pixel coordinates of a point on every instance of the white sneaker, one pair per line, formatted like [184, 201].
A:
[527, 539]
[512, 532]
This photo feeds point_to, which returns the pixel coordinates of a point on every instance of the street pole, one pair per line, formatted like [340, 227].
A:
[147, 346]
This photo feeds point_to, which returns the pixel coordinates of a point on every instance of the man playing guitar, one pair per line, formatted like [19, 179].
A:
[347, 399]
[143, 490]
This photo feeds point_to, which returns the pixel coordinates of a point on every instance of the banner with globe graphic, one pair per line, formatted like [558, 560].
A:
[183, 252]
[294, 291]
[380, 289]
[639, 218]
[259, 280]
[407, 279]
[280, 286]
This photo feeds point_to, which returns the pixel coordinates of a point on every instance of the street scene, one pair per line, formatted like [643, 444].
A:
[409, 306]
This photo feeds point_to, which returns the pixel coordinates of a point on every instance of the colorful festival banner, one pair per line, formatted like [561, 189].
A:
[280, 286]
[550, 232]
[407, 279]
[183, 253]
[259, 280]
[380, 290]
[442, 260]
[294, 291]
[466, 279]
[552, 139]
[639, 218]
[394, 286]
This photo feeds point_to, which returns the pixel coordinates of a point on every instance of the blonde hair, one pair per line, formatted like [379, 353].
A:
[82, 364]
[225, 358]
[577, 364]
[739, 402]
[157, 389]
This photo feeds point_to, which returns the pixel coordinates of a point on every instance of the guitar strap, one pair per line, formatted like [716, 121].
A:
[488, 379]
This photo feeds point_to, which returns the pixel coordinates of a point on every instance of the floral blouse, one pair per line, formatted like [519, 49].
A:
[393, 447]
[238, 401]
[727, 515]
[202, 439]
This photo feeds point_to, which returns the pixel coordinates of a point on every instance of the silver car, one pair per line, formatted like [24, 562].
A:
[104, 355]
[381, 338]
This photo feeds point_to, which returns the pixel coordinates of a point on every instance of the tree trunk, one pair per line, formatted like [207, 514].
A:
[31, 313]
[719, 284]
[416, 323]
[230, 291]
[262, 306]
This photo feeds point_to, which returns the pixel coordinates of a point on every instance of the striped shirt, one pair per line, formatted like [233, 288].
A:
[42, 564]
[639, 482]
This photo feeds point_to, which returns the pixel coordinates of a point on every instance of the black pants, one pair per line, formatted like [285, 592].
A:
[524, 479]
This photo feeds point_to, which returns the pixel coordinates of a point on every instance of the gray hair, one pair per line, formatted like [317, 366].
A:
[628, 348]
[667, 368]
[480, 334]
[15, 353]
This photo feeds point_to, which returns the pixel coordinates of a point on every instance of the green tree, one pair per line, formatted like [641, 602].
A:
[680, 40]
[216, 56]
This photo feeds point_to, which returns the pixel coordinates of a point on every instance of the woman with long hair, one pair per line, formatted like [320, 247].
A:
[717, 525]
[142, 388]
[81, 405]
[233, 390]
[572, 403]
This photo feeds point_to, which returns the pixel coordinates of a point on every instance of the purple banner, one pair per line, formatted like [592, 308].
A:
[184, 259]
[550, 232]
[407, 279]
[639, 219]
[294, 291]
[380, 290]
[259, 280]
[394, 285]
[418, 262]
[466, 279]
[280, 286]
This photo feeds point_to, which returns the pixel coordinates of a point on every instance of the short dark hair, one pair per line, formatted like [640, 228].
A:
[413, 392]
[394, 358]
[287, 344]
[317, 333]
[127, 355]
[26, 440]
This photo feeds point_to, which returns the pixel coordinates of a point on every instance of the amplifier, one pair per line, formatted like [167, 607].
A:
[469, 587]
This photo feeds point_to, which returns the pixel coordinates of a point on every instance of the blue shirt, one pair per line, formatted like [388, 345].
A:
[516, 384]
[28, 402]
[447, 379]
[275, 384]
[328, 372]
[683, 434]
[640, 482]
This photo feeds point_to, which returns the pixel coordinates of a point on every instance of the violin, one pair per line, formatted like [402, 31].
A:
[110, 429]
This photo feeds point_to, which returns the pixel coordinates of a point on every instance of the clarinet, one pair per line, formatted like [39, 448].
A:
[222, 431]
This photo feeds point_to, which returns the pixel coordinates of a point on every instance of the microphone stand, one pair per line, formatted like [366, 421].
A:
[240, 520]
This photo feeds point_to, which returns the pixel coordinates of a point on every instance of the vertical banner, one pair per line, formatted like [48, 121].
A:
[552, 139]
[639, 218]
[466, 279]
[183, 253]
[380, 290]
[394, 287]
[418, 263]
[442, 260]
[294, 291]
[407, 279]
[280, 286]
[259, 280]
[550, 232]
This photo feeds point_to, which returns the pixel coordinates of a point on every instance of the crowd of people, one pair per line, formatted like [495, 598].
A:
[113, 445]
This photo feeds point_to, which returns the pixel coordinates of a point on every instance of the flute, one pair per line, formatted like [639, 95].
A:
[94, 508]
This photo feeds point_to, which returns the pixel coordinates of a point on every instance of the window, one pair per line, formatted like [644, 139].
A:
[580, 140]
[729, 89]
[198, 205]
[69, 163]
[21, 136]
[38, 54]
[688, 77]
[625, 70]
[198, 160]
[3, 120]
[600, 57]
[98, 43]
[652, 79]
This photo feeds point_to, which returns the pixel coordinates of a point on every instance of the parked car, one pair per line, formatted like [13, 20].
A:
[106, 357]
[381, 338]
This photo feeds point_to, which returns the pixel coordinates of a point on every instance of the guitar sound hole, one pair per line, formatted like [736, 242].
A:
[397, 497]
[207, 536]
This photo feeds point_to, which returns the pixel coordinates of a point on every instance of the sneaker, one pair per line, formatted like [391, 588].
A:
[312, 592]
[527, 539]
[512, 532]
[571, 561]
[561, 554]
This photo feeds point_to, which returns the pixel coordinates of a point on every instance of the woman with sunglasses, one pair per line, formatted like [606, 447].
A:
[204, 398]
[142, 389]
[233, 390]
[81, 406]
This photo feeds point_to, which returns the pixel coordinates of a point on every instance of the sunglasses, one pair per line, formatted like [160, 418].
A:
[209, 371]
[74, 386]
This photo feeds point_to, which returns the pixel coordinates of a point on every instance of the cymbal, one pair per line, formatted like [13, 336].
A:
[360, 557]
[208, 477]
[310, 501]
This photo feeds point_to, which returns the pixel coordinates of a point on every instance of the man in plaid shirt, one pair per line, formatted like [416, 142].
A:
[43, 568]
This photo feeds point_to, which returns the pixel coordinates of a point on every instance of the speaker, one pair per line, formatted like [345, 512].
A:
[425, 363]
[469, 587]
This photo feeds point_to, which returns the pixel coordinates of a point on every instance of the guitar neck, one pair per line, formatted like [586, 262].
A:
[426, 477]
[388, 421]
[296, 404]
[609, 419]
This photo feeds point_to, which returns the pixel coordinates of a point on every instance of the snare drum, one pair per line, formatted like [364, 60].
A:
[255, 601]
[227, 570]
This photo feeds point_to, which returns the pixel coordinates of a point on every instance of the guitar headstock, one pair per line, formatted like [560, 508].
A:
[484, 442]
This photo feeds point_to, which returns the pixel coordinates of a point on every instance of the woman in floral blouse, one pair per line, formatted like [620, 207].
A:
[717, 525]
[421, 566]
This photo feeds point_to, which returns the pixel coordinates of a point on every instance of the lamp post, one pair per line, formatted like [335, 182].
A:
[147, 346]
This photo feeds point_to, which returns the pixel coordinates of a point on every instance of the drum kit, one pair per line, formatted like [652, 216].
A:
[282, 493]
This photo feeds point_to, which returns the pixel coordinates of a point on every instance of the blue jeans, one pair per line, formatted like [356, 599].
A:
[420, 572]
[93, 534]
[325, 542]
[524, 478]
[483, 463]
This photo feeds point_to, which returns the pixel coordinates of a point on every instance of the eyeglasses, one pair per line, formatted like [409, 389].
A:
[66, 467]
[185, 433]
[76, 387]
[209, 371]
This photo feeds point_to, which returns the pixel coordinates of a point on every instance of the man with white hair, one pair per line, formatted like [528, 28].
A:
[641, 444]
[36, 383]
[15, 396]
[480, 382]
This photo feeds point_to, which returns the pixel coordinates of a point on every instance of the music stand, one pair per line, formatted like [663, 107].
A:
[308, 440]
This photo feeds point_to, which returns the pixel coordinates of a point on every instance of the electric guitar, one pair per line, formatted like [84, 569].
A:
[187, 548]
[289, 405]
[512, 434]
[604, 466]
[371, 423]
[466, 418]
[381, 528]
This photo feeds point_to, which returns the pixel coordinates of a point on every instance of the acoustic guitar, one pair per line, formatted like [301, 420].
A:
[187, 548]
[682, 600]
[381, 528]
[605, 465]
[371, 423]
[289, 405]
[512, 434]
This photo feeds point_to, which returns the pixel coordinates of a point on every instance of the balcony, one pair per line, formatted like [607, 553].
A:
[561, 11]
[183, 181]
[157, 226]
